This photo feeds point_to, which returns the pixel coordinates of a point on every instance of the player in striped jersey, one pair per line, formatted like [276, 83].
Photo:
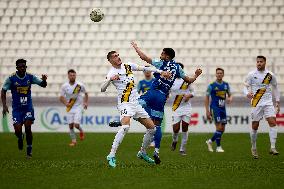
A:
[259, 86]
[122, 77]
[72, 97]
[217, 91]
[181, 92]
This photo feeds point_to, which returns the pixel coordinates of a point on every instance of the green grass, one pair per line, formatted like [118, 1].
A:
[56, 165]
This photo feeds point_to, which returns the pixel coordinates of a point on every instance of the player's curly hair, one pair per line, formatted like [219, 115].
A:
[20, 61]
[170, 52]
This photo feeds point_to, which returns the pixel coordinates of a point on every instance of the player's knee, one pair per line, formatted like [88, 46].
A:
[125, 120]
[18, 128]
[71, 126]
[28, 123]
[271, 121]
[184, 128]
[176, 127]
[255, 125]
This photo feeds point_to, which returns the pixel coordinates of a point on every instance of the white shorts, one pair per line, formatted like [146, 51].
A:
[185, 118]
[132, 110]
[259, 112]
[74, 116]
[182, 113]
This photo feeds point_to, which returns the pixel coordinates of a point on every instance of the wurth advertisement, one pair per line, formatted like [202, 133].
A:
[96, 119]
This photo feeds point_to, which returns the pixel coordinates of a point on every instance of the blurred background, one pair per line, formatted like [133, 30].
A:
[56, 35]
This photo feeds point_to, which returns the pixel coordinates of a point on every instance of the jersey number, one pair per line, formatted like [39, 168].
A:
[124, 111]
[23, 100]
[221, 103]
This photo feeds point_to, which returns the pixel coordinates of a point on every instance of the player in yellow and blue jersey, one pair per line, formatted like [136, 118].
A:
[20, 84]
[145, 84]
[217, 91]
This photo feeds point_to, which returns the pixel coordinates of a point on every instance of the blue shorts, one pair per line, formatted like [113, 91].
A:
[20, 115]
[153, 101]
[219, 115]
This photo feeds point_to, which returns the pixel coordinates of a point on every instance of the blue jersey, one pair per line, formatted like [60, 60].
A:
[144, 85]
[218, 92]
[162, 84]
[21, 89]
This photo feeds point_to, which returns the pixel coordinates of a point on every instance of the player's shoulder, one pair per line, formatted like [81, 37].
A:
[30, 74]
[253, 72]
[142, 81]
[129, 64]
[225, 83]
[270, 72]
[80, 83]
[12, 75]
[112, 71]
[64, 85]
[212, 83]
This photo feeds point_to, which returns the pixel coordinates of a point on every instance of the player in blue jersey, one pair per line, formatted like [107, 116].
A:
[23, 113]
[155, 98]
[217, 91]
[145, 84]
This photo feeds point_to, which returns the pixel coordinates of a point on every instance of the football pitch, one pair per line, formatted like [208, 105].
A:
[56, 165]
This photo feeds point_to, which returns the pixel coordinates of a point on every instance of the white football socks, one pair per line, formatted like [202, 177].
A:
[253, 137]
[118, 139]
[72, 135]
[147, 139]
[183, 141]
[273, 136]
[175, 137]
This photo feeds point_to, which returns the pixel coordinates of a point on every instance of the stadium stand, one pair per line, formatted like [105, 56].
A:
[55, 35]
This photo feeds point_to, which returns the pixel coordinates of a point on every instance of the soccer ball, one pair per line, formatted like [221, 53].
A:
[96, 15]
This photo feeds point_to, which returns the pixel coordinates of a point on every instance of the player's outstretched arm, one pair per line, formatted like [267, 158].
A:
[190, 80]
[41, 82]
[3, 99]
[137, 67]
[141, 54]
